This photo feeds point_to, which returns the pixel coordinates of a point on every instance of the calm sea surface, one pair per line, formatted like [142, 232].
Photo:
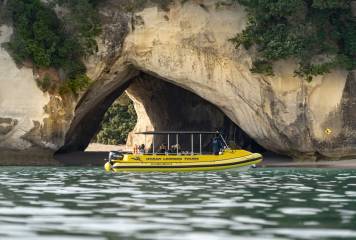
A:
[85, 203]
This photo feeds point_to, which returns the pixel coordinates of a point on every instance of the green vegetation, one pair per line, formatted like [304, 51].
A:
[82, 22]
[118, 121]
[45, 83]
[134, 5]
[319, 34]
[61, 41]
[47, 41]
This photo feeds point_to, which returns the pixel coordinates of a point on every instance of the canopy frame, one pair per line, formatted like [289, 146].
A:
[177, 133]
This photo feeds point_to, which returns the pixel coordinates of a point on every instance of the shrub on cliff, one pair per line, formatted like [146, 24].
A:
[81, 22]
[320, 34]
[47, 41]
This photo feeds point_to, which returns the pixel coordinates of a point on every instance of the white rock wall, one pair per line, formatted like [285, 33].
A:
[20, 98]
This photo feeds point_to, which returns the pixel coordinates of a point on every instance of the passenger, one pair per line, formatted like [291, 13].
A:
[176, 149]
[216, 145]
[142, 149]
[173, 149]
[162, 148]
[135, 149]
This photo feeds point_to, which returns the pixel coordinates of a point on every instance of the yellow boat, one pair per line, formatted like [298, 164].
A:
[177, 160]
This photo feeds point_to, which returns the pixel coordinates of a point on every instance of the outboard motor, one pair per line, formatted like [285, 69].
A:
[114, 155]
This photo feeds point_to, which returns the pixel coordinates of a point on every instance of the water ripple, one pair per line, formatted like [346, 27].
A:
[85, 203]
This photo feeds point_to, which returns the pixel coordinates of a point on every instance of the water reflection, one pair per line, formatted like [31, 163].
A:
[72, 203]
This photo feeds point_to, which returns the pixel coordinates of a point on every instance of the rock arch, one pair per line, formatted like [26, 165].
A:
[283, 113]
[159, 104]
[187, 45]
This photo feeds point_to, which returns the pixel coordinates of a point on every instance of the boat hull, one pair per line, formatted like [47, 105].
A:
[230, 160]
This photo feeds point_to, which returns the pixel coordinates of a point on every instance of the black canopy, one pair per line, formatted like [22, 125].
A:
[176, 132]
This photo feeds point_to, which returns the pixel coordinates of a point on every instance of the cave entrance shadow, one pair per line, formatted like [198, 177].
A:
[167, 106]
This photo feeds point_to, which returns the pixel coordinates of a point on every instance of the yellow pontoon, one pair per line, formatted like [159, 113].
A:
[178, 160]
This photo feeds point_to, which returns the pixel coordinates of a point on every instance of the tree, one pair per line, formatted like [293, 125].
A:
[118, 122]
[319, 34]
[41, 37]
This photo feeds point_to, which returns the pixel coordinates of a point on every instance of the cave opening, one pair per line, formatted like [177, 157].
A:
[159, 105]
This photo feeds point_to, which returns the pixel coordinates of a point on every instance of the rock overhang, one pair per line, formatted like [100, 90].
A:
[188, 46]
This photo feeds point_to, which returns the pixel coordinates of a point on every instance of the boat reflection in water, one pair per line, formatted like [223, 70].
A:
[173, 159]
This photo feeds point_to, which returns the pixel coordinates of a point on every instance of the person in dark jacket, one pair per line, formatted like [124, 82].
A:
[216, 143]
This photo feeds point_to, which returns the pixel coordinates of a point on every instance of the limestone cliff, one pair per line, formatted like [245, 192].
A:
[21, 104]
[186, 45]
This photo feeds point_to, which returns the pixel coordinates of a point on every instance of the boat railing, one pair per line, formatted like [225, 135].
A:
[183, 153]
[175, 134]
[175, 154]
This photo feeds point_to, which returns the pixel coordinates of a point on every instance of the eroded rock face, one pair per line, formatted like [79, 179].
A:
[21, 101]
[188, 46]
[7, 125]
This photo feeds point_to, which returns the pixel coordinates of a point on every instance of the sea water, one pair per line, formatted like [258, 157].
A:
[87, 203]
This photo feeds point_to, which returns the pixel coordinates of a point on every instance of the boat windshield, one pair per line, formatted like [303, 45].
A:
[176, 142]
